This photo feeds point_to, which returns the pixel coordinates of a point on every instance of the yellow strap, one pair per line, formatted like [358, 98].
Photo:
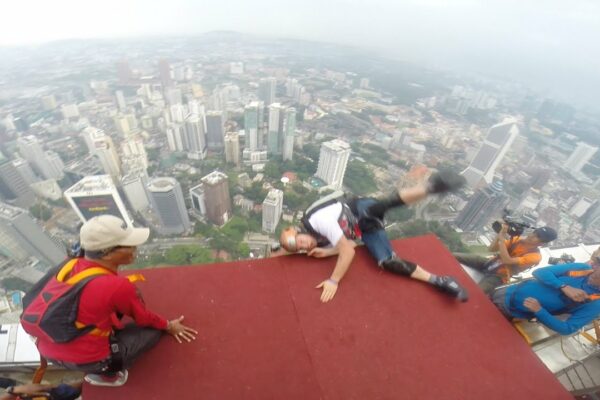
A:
[136, 278]
[519, 328]
[66, 270]
[86, 273]
[95, 331]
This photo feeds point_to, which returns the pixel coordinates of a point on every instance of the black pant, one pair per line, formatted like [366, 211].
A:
[132, 342]
[490, 280]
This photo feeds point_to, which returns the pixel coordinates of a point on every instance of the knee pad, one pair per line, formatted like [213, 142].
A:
[398, 266]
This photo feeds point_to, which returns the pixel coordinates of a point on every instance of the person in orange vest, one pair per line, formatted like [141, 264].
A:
[106, 351]
[572, 289]
[514, 254]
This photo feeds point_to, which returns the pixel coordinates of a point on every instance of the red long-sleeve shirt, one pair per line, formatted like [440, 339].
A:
[100, 300]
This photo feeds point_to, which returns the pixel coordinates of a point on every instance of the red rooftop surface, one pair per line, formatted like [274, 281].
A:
[264, 334]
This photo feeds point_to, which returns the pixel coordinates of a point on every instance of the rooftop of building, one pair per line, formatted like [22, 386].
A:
[9, 212]
[263, 333]
[93, 183]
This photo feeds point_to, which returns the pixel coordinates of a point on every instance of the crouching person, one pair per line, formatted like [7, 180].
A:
[75, 310]
[572, 289]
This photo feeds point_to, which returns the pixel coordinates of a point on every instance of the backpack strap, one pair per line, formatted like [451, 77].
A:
[583, 272]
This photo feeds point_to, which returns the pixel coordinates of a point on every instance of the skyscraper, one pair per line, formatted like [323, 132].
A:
[164, 71]
[497, 142]
[253, 123]
[486, 204]
[176, 137]
[102, 147]
[121, 100]
[232, 148]
[275, 129]
[134, 187]
[333, 160]
[55, 165]
[13, 185]
[167, 201]
[30, 149]
[211, 198]
[21, 238]
[215, 129]
[271, 211]
[582, 154]
[134, 147]
[266, 90]
[25, 170]
[289, 132]
[96, 195]
[196, 137]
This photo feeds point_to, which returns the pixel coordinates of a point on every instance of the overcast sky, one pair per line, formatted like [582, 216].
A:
[552, 44]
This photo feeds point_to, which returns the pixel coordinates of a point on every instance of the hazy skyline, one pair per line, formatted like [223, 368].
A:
[549, 45]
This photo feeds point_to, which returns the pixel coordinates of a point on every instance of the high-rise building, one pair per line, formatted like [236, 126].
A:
[124, 74]
[25, 170]
[275, 128]
[164, 71]
[168, 203]
[486, 204]
[495, 145]
[96, 195]
[21, 238]
[13, 185]
[289, 132]
[333, 160]
[102, 147]
[215, 129]
[271, 210]
[211, 198]
[30, 149]
[173, 96]
[582, 154]
[121, 100]
[196, 137]
[176, 137]
[253, 124]
[232, 148]
[134, 187]
[55, 165]
[266, 90]
[134, 147]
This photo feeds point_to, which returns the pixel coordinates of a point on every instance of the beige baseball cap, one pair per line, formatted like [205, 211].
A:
[107, 231]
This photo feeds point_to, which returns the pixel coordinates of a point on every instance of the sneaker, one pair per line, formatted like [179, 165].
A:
[118, 379]
[450, 286]
[445, 181]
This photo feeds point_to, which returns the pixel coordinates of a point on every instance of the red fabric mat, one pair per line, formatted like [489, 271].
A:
[265, 335]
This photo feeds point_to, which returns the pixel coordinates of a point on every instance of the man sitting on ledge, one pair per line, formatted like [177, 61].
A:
[572, 289]
[331, 228]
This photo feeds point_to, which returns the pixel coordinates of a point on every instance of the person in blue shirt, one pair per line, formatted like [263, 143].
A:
[572, 289]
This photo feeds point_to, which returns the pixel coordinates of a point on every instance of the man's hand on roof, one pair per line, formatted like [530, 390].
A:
[329, 288]
[532, 304]
[320, 252]
[575, 294]
[181, 332]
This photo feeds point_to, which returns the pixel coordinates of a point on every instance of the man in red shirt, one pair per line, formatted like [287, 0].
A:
[106, 352]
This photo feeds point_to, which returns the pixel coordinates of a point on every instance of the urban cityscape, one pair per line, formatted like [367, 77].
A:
[217, 146]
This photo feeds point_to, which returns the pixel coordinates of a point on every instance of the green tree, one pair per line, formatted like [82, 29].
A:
[359, 178]
[40, 211]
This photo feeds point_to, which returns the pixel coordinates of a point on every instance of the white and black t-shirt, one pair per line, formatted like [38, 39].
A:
[325, 222]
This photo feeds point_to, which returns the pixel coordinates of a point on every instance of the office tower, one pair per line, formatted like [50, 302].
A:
[122, 125]
[211, 198]
[21, 238]
[30, 149]
[102, 147]
[177, 113]
[134, 187]
[124, 74]
[289, 132]
[275, 128]
[333, 160]
[232, 148]
[253, 122]
[215, 129]
[196, 137]
[173, 96]
[176, 138]
[582, 154]
[49, 102]
[266, 90]
[55, 165]
[96, 195]
[164, 71]
[486, 204]
[134, 147]
[167, 201]
[69, 111]
[121, 101]
[497, 142]
[13, 185]
[24, 169]
[271, 211]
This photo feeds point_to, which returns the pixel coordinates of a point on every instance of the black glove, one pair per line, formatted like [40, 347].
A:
[445, 181]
